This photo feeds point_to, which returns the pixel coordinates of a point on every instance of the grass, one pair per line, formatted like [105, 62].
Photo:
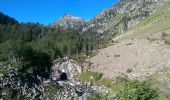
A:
[1, 70]
[96, 79]
[114, 86]
[165, 97]
[96, 96]
[51, 90]
[157, 81]
[161, 80]
[125, 85]
[90, 76]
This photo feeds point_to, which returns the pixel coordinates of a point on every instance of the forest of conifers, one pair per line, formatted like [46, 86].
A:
[32, 47]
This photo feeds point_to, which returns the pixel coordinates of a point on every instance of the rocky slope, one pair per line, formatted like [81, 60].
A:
[70, 21]
[141, 51]
[123, 16]
[138, 58]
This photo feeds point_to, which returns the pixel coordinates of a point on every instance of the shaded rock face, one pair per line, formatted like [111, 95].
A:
[68, 21]
[123, 16]
[73, 91]
[10, 79]
[65, 69]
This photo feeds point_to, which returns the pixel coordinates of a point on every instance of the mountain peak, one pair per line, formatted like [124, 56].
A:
[68, 15]
[70, 21]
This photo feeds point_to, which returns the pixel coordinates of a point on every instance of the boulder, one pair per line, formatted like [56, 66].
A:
[65, 69]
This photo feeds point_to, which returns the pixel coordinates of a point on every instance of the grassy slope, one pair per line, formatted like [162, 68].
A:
[158, 21]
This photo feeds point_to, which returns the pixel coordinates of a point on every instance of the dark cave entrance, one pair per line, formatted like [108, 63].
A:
[63, 76]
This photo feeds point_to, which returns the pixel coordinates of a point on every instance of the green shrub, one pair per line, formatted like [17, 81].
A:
[137, 90]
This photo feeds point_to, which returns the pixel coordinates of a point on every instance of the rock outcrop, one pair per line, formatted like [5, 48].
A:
[65, 69]
[62, 88]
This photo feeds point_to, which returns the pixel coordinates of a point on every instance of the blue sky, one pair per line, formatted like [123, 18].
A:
[48, 11]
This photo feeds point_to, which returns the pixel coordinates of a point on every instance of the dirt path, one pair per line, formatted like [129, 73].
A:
[136, 58]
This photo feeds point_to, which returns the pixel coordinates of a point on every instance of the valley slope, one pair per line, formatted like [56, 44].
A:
[141, 52]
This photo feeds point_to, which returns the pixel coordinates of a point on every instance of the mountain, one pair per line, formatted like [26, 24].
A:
[123, 16]
[4, 19]
[37, 61]
[153, 26]
[70, 21]
[141, 52]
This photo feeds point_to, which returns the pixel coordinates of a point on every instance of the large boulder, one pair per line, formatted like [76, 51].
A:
[65, 69]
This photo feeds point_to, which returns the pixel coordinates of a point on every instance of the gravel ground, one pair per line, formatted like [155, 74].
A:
[135, 58]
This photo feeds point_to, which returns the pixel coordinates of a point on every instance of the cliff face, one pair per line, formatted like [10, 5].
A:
[69, 21]
[123, 16]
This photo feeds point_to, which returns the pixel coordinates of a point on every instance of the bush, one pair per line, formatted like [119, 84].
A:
[136, 90]
[129, 70]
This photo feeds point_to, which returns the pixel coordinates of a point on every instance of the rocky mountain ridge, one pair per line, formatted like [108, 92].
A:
[123, 16]
[114, 20]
